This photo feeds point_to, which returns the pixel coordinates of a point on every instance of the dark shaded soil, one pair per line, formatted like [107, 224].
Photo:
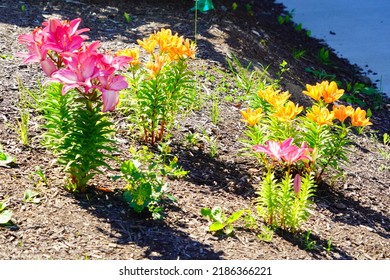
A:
[352, 211]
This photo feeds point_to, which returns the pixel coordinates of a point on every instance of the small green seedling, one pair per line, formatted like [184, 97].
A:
[5, 159]
[298, 54]
[329, 246]
[127, 17]
[5, 56]
[39, 172]
[192, 139]
[31, 196]
[309, 244]
[5, 214]
[212, 141]
[219, 221]
[386, 139]
[286, 18]
[324, 55]
[266, 234]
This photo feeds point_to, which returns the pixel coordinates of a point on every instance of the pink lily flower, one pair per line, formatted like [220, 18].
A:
[110, 87]
[293, 153]
[274, 149]
[284, 151]
[79, 73]
[34, 43]
[110, 64]
[63, 36]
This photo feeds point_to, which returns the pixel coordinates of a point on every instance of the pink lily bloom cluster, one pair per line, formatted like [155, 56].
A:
[285, 151]
[64, 56]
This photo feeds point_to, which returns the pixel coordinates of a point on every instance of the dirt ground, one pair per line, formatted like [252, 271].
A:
[352, 212]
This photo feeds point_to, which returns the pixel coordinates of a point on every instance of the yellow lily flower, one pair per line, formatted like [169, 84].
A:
[149, 44]
[133, 53]
[287, 112]
[314, 92]
[252, 117]
[321, 116]
[358, 118]
[274, 97]
[156, 65]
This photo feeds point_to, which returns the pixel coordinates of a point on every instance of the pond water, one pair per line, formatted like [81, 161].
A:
[358, 30]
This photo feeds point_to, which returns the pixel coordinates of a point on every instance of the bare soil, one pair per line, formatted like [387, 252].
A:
[352, 211]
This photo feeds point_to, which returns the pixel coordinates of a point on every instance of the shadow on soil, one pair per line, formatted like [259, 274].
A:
[314, 245]
[159, 240]
[349, 211]
[214, 173]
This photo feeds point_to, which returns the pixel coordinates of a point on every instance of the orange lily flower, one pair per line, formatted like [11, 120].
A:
[342, 112]
[287, 112]
[321, 116]
[252, 117]
[331, 92]
[358, 118]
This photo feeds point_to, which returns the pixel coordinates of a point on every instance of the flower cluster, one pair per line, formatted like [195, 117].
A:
[59, 47]
[320, 129]
[326, 93]
[160, 86]
[279, 105]
[163, 47]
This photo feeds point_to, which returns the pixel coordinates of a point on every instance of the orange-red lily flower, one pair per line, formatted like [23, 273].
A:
[342, 112]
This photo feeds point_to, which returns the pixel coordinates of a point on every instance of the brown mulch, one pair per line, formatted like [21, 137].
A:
[352, 211]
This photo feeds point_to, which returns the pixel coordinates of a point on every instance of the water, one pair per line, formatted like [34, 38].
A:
[358, 30]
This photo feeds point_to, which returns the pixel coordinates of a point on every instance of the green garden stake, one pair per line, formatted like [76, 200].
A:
[203, 5]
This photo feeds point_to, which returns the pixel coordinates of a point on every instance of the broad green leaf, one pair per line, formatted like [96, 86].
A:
[5, 216]
[206, 212]
[216, 226]
[217, 214]
[6, 160]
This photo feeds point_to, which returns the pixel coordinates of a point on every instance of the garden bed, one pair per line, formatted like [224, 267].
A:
[350, 217]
